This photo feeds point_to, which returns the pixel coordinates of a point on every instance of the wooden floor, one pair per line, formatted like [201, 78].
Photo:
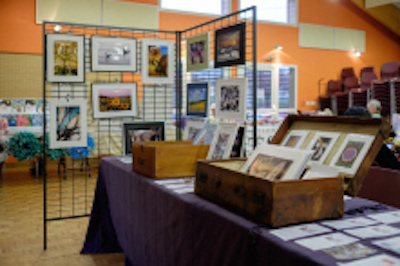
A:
[21, 227]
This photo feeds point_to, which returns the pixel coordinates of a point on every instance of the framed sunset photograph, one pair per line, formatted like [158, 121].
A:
[197, 52]
[197, 99]
[229, 46]
[114, 100]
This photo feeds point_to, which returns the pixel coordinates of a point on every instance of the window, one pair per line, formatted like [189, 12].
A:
[279, 11]
[211, 7]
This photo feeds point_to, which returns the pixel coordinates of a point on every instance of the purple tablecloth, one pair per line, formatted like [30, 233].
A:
[153, 225]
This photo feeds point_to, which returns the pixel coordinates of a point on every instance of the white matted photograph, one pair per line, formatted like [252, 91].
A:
[192, 128]
[65, 58]
[230, 98]
[321, 145]
[141, 131]
[114, 100]
[206, 135]
[352, 152]
[295, 138]
[113, 54]
[223, 140]
[158, 61]
[68, 122]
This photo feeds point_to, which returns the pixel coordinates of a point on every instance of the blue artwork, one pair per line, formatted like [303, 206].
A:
[197, 99]
[68, 127]
[12, 120]
[37, 120]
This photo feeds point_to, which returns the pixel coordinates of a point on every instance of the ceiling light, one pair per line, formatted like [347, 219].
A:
[279, 47]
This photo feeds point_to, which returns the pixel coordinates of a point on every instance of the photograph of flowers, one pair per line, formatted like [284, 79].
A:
[197, 52]
[197, 99]
[114, 100]
[68, 121]
[230, 98]
[65, 58]
[230, 46]
[141, 131]
[113, 54]
[158, 58]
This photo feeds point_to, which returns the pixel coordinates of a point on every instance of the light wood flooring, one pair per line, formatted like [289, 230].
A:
[21, 224]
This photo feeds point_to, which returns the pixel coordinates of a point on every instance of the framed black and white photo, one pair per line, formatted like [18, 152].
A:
[230, 98]
[141, 131]
[192, 128]
[158, 61]
[114, 100]
[229, 46]
[197, 52]
[114, 54]
[65, 58]
[68, 122]
[222, 142]
[197, 100]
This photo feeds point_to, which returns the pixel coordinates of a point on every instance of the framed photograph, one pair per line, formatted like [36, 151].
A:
[141, 131]
[5, 106]
[222, 142]
[114, 100]
[197, 99]
[65, 58]
[321, 144]
[230, 46]
[18, 105]
[113, 54]
[295, 138]
[197, 52]
[230, 98]
[206, 134]
[158, 61]
[237, 148]
[68, 121]
[192, 128]
[352, 153]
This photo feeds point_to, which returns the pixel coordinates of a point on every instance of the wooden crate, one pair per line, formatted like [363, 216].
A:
[167, 159]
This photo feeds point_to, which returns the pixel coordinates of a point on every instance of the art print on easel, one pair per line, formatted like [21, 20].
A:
[230, 98]
[197, 99]
[65, 58]
[230, 46]
[113, 54]
[158, 61]
[197, 52]
[68, 120]
[321, 145]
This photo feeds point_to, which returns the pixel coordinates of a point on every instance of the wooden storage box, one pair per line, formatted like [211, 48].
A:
[282, 203]
[167, 159]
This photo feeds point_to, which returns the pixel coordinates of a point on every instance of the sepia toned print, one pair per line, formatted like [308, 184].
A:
[349, 154]
[269, 167]
[65, 58]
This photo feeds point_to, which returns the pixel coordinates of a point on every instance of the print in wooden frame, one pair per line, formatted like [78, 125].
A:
[230, 98]
[158, 61]
[197, 99]
[68, 122]
[114, 100]
[141, 131]
[229, 48]
[197, 52]
[113, 54]
[65, 58]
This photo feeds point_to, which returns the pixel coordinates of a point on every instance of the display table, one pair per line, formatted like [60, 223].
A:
[154, 225]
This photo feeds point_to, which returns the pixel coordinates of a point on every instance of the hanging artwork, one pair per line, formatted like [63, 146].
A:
[68, 121]
[197, 99]
[197, 52]
[229, 46]
[230, 98]
[65, 58]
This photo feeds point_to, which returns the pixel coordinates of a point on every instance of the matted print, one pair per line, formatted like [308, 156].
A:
[229, 46]
[295, 138]
[141, 131]
[5, 106]
[206, 135]
[68, 122]
[269, 167]
[158, 58]
[192, 128]
[222, 142]
[114, 100]
[65, 58]
[197, 99]
[113, 54]
[197, 52]
[230, 98]
[31, 106]
[321, 145]
[18, 105]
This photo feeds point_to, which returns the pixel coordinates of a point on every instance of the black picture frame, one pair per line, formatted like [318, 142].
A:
[154, 131]
[222, 53]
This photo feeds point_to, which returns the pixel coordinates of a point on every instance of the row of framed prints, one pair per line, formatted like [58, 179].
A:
[65, 55]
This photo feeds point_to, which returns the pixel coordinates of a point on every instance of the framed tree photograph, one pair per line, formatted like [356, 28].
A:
[197, 52]
[197, 100]
[65, 58]
[229, 46]
[192, 128]
[230, 98]
[222, 142]
[141, 131]
[113, 54]
[114, 100]
[321, 144]
[295, 138]
[68, 122]
[158, 61]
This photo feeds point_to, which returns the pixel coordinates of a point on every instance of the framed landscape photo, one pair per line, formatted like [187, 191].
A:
[295, 138]
[113, 54]
[197, 52]
[321, 144]
[222, 142]
[158, 58]
[65, 58]
[229, 46]
[230, 98]
[114, 100]
[141, 131]
[197, 99]
[68, 122]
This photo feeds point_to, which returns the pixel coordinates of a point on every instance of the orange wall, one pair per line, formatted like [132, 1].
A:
[20, 34]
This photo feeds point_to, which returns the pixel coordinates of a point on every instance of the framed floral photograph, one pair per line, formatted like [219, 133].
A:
[197, 52]
[229, 46]
[192, 128]
[222, 142]
[197, 99]
[321, 144]
[141, 131]
[114, 100]
[113, 54]
[230, 98]
[295, 138]
[65, 58]
[68, 123]
[158, 61]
